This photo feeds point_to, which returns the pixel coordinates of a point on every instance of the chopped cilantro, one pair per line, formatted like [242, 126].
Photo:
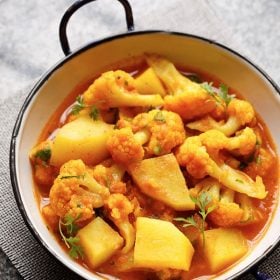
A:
[80, 105]
[73, 176]
[159, 117]
[94, 113]
[223, 93]
[71, 242]
[44, 154]
[202, 201]
[239, 181]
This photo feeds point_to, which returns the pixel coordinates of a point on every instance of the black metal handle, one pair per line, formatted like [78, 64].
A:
[77, 5]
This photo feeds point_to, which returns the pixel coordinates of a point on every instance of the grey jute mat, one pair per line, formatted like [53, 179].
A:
[30, 259]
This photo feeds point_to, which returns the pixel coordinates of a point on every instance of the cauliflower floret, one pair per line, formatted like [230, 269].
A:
[226, 212]
[251, 213]
[239, 112]
[117, 89]
[110, 177]
[244, 143]
[75, 192]
[44, 173]
[119, 209]
[125, 147]
[262, 163]
[166, 130]
[50, 216]
[159, 131]
[194, 156]
[185, 97]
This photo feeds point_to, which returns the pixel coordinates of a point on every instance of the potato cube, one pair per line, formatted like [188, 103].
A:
[83, 139]
[159, 244]
[149, 83]
[162, 179]
[223, 246]
[99, 242]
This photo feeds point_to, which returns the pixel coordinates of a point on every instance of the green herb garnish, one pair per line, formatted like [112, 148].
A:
[202, 201]
[223, 93]
[239, 181]
[94, 113]
[71, 242]
[44, 154]
[159, 117]
[73, 176]
[210, 90]
[218, 95]
[80, 105]
[258, 159]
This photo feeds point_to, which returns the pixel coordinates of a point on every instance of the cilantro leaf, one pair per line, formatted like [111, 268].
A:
[202, 202]
[223, 93]
[78, 106]
[210, 90]
[44, 154]
[76, 250]
[159, 117]
[94, 113]
[220, 94]
[73, 176]
[71, 241]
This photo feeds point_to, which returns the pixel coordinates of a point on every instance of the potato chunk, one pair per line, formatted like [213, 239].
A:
[223, 247]
[149, 83]
[159, 244]
[99, 242]
[162, 179]
[83, 139]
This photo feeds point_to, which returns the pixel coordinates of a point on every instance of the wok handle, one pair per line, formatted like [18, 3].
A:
[77, 5]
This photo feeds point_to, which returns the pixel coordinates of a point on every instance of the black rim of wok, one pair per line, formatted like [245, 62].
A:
[14, 140]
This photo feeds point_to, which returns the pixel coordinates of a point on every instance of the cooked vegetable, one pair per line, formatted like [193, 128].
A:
[149, 83]
[41, 153]
[70, 240]
[194, 156]
[83, 139]
[157, 174]
[240, 113]
[75, 192]
[119, 208]
[204, 203]
[118, 89]
[159, 132]
[166, 130]
[223, 247]
[186, 98]
[159, 244]
[225, 212]
[162, 179]
[99, 242]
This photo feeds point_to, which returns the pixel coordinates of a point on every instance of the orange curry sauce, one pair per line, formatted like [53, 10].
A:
[198, 267]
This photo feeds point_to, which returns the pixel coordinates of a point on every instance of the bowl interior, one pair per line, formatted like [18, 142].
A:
[86, 63]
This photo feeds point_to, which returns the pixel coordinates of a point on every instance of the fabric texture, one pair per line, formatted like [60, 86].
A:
[27, 255]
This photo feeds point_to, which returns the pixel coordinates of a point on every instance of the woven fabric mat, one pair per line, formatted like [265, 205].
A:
[27, 255]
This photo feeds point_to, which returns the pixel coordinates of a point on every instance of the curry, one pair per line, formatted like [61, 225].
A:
[156, 173]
